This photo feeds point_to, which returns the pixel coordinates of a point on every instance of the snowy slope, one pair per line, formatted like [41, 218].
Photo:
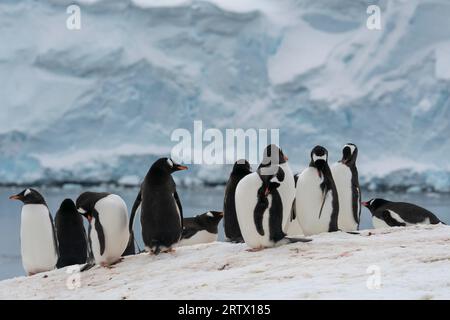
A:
[100, 104]
[413, 263]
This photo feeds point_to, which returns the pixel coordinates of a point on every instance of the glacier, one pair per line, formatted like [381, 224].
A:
[98, 105]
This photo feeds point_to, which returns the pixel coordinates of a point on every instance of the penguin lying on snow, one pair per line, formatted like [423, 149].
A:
[201, 228]
[37, 234]
[71, 235]
[398, 214]
[161, 211]
[108, 226]
[231, 225]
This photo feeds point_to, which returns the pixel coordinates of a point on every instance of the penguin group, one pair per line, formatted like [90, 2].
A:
[260, 208]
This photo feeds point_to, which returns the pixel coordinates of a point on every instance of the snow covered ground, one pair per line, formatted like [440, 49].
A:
[412, 263]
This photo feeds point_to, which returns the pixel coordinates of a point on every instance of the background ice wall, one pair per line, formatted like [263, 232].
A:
[99, 104]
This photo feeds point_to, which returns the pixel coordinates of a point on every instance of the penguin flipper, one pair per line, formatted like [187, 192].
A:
[136, 205]
[391, 221]
[55, 239]
[90, 255]
[188, 233]
[180, 208]
[325, 195]
[293, 212]
[99, 228]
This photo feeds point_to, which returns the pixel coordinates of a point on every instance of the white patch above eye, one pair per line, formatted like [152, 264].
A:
[27, 192]
[371, 201]
[352, 148]
[209, 214]
[316, 157]
[170, 162]
[81, 210]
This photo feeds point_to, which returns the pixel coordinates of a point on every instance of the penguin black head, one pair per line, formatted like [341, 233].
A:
[374, 204]
[241, 166]
[319, 157]
[210, 217]
[168, 165]
[67, 206]
[349, 154]
[29, 196]
[273, 155]
[83, 205]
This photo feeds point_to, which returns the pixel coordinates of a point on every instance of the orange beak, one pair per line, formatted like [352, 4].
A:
[180, 167]
[286, 158]
[15, 197]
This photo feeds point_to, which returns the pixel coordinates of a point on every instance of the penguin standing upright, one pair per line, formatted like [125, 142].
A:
[232, 231]
[37, 234]
[108, 225]
[317, 203]
[272, 157]
[71, 235]
[398, 214]
[161, 211]
[345, 175]
[259, 206]
[201, 228]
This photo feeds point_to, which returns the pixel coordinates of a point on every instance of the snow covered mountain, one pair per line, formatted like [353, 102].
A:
[100, 103]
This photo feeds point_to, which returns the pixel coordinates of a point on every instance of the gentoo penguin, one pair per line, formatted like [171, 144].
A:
[161, 211]
[398, 214]
[272, 157]
[317, 204]
[201, 228]
[71, 235]
[260, 209]
[37, 234]
[232, 231]
[345, 175]
[108, 225]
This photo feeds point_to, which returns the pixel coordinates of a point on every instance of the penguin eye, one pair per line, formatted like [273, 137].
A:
[170, 162]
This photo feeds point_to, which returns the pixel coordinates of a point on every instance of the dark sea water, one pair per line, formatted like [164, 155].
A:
[194, 200]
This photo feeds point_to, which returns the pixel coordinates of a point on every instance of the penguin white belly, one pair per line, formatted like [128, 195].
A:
[202, 236]
[113, 215]
[379, 223]
[246, 199]
[342, 176]
[37, 242]
[287, 194]
[309, 198]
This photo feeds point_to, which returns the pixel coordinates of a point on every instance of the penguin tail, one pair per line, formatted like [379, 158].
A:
[87, 266]
[294, 240]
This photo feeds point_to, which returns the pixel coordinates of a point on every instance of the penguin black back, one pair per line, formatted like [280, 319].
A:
[408, 212]
[71, 235]
[208, 221]
[161, 210]
[232, 230]
[349, 156]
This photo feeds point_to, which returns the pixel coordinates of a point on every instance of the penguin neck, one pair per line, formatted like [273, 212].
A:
[158, 176]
